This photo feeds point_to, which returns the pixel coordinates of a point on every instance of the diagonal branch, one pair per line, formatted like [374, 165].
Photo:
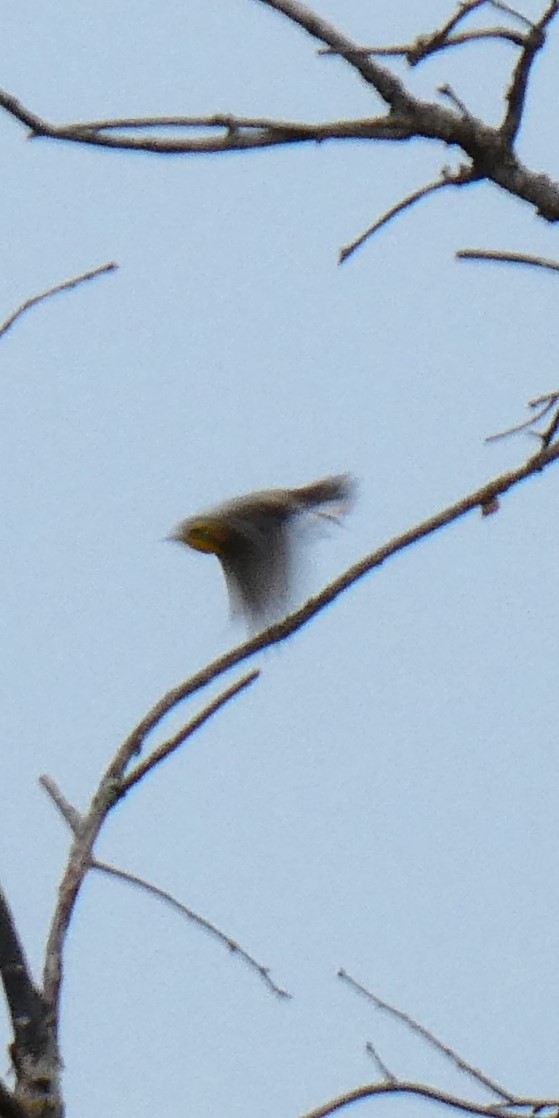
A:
[110, 787]
[74, 822]
[387, 85]
[281, 630]
[34, 1051]
[516, 94]
[169, 747]
[65, 286]
[461, 178]
[430, 1038]
[206, 925]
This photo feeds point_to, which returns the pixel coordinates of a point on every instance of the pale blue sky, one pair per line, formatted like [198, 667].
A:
[384, 798]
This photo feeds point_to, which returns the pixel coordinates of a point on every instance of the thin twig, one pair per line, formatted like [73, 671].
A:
[500, 6]
[224, 121]
[74, 821]
[429, 1037]
[66, 809]
[544, 403]
[65, 286]
[507, 257]
[546, 437]
[207, 926]
[168, 747]
[447, 91]
[384, 1070]
[460, 179]
[462, 12]
[423, 47]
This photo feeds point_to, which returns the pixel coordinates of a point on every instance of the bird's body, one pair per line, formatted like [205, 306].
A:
[251, 537]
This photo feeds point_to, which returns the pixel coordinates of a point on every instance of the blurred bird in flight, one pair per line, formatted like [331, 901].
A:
[252, 537]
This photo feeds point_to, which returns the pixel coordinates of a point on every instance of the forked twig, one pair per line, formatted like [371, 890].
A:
[508, 1105]
[86, 832]
[444, 36]
[545, 404]
[426, 1034]
[75, 821]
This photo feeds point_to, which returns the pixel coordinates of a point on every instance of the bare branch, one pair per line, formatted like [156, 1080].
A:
[421, 1090]
[489, 149]
[110, 787]
[462, 12]
[507, 258]
[387, 85]
[417, 52]
[432, 1040]
[516, 94]
[281, 630]
[74, 822]
[86, 829]
[500, 6]
[206, 925]
[238, 133]
[446, 36]
[442, 37]
[228, 123]
[34, 1050]
[462, 177]
[25, 1005]
[447, 91]
[65, 286]
[168, 747]
[545, 404]
[550, 432]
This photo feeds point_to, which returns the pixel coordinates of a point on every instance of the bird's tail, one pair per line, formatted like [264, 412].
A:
[330, 497]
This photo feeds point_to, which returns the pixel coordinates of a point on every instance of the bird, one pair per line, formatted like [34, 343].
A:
[252, 537]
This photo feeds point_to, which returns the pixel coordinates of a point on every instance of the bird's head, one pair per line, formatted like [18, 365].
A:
[204, 534]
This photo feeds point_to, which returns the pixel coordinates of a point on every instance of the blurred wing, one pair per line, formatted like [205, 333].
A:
[257, 566]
